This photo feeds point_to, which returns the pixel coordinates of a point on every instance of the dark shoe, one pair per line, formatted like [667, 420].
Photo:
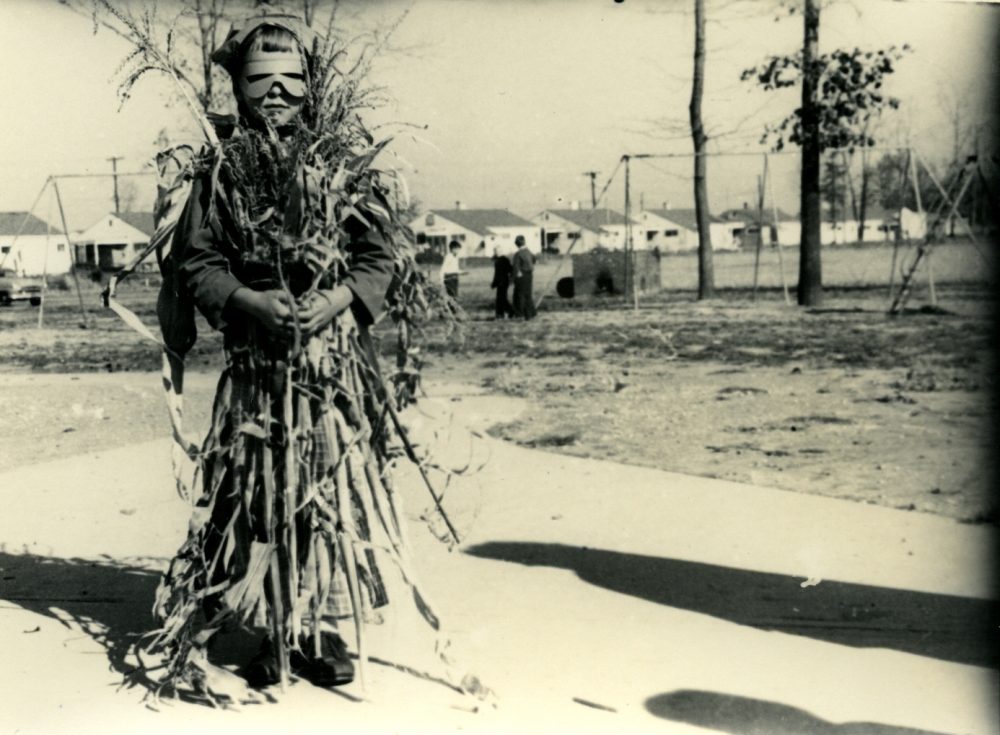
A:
[333, 667]
[263, 669]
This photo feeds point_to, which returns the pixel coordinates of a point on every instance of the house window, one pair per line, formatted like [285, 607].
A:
[572, 235]
[671, 233]
[421, 238]
[429, 220]
[650, 234]
[5, 249]
[460, 238]
[60, 247]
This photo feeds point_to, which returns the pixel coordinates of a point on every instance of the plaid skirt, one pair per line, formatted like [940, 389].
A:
[339, 602]
[233, 484]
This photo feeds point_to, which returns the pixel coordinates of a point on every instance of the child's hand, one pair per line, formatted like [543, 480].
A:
[271, 308]
[322, 307]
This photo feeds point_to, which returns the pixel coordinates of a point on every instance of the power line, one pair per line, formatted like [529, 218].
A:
[103, 175]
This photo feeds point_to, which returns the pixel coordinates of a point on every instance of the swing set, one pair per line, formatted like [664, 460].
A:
[945, 210]
[52, 182]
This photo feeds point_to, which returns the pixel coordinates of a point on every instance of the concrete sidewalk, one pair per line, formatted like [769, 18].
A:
[590, 596]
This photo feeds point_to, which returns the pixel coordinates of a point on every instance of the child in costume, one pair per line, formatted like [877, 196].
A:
[285, 245]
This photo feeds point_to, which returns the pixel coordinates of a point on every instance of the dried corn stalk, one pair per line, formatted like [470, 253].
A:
[295, 517]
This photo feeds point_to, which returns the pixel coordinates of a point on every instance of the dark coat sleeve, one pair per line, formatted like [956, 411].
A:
[369, 271]
[206, 254]
[201, 249]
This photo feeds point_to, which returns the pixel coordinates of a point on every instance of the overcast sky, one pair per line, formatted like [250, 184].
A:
[518, 98]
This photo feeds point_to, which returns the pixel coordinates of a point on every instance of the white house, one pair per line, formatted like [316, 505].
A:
[32, 247]
[837, 228]
[478, 231]
[676, 230]
[744, 226]
[912, 225]
[112, 241]
[880, 224]
[581, 229]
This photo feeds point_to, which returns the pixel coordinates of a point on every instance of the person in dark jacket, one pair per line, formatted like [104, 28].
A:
[523, 267]
[295, 330]
[502, 271]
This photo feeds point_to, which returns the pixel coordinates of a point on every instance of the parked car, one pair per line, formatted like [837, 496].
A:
[19, 288]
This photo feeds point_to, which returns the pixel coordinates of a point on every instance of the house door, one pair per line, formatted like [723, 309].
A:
[109, 256]
[550, 245]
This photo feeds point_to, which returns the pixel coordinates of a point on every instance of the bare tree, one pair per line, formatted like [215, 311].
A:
[866, 193]
[841, 95]
[833, 185]
[192, 30]
[706, 273]
[128, 196]
[209, 14]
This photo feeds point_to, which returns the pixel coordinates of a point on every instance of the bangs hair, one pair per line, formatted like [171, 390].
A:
[271, 39]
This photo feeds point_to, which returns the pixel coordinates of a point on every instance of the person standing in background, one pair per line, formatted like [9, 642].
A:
[502, 270]
[451, 269]
[523, 267]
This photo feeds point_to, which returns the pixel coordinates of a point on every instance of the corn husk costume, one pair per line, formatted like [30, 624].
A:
[295, 518]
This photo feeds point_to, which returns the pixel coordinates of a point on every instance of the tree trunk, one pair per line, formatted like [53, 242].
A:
[846, 163]
[863, 208]
[206, 27]
[810, 288]
[706, 272]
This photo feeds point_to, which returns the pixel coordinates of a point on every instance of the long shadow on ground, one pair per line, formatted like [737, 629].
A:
[945, 627]
[744, 716]
[110, 601]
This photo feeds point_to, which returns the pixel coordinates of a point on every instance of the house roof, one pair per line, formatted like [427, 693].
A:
[589, 219]
[686, 218]
[872, 212]
[750, 215]
[11, 224]
[480, 220]
[142, 221]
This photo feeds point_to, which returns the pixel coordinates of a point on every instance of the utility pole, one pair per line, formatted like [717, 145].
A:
[630, 288]
[593, 190]
[114, 173]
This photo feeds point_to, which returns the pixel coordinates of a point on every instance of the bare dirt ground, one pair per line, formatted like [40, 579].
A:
[844, 402]
[841, 401]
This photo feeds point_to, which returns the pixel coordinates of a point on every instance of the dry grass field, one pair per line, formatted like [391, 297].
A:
[842, 400]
